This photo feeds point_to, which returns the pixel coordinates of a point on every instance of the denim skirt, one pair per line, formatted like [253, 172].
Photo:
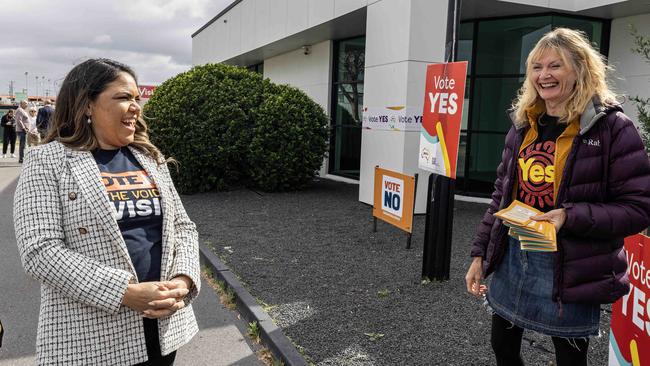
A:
[521, 288]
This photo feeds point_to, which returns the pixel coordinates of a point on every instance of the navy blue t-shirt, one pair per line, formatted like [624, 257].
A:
[138, 209]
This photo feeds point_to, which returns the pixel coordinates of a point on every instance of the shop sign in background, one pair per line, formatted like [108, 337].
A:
[20, 96]
[146, 91]
[629, 339]
[442, 117]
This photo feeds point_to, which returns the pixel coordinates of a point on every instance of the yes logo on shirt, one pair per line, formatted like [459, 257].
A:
[536, 175]
[132, 193]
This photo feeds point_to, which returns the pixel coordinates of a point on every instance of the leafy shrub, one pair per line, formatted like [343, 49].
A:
[289, 139]
[217, 121]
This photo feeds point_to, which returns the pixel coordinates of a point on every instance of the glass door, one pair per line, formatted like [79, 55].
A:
[347, 104]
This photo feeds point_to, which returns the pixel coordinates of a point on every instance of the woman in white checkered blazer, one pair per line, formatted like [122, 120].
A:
[79, 236]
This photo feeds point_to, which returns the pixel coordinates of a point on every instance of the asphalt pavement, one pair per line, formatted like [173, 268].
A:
[221, 339]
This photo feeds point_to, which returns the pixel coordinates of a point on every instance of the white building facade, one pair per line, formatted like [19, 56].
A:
[348, 55]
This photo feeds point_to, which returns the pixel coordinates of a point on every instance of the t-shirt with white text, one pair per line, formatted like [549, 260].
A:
[138, 209]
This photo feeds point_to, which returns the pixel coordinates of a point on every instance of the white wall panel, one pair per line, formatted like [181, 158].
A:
[632, 72]
[320, 11]
[387, 32]
[385, 85]
[234, 30]
[543, 3]
[277, 19]
[393, 84]
[320, 93]
[261, 22]
[402, 38]
[219, 40]
[424, 45]
[415, 83]
[571, 5]
[345, 6]
[310, 73]
[378, 147]
[252, 24]
[248, 25]
[588, 4]
[297, 16]
[410, 167]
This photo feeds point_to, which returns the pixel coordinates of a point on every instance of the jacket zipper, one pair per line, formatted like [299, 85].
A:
[560, 199]
[506, 199]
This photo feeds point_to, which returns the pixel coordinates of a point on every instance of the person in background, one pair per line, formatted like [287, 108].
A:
[574, 155]
[33, 137]
[100, 225]
[44, 116]
[22, 126]
[8, 123]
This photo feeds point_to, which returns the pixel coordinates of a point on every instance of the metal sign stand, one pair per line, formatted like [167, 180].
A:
[436, 256]
[415, 197]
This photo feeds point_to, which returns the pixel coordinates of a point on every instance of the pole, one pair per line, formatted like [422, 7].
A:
[374, 218]
[436, 256]
[415, 196]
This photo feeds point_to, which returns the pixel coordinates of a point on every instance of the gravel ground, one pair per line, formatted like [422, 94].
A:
[348, 296]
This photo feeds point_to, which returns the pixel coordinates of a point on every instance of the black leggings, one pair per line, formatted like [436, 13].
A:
[506, 343]
[8, 139]
[153, 346]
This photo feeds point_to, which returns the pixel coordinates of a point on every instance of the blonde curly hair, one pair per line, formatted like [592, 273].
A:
[589, 65]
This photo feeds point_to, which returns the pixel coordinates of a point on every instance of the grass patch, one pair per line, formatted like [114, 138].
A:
[383, 293]
[254, 332]
[374, 336]
[208, 272]
[266, 307]
[228, 299]
[227, 296]
[267, 358]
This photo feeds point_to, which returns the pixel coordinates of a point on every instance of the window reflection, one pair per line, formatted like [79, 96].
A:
[497, 50]
[345, 145]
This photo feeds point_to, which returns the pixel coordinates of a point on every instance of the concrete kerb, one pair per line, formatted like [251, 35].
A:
[271, 334]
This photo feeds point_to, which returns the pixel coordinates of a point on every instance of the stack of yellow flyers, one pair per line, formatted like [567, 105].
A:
[533, 235]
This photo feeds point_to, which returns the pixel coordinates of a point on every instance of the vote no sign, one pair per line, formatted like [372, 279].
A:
[441, 118]
[629, 339]
[394, 195]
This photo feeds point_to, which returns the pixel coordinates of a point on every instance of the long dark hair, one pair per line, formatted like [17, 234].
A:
[82, 85]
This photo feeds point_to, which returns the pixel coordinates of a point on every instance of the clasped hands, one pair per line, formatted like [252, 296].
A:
[157, 299]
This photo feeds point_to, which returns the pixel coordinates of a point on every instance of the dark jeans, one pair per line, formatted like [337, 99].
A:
[506, 343]
[153, 346]
[23, 141]
[8, 138]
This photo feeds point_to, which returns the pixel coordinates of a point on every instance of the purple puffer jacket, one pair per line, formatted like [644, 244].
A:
[605, 190]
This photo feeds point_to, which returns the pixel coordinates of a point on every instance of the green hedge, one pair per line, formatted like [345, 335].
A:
[227, 126]
[289, 139]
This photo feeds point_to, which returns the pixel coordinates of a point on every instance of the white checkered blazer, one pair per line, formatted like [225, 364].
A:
[69, 240]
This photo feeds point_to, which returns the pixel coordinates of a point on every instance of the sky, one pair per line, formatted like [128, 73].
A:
[47, 38]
